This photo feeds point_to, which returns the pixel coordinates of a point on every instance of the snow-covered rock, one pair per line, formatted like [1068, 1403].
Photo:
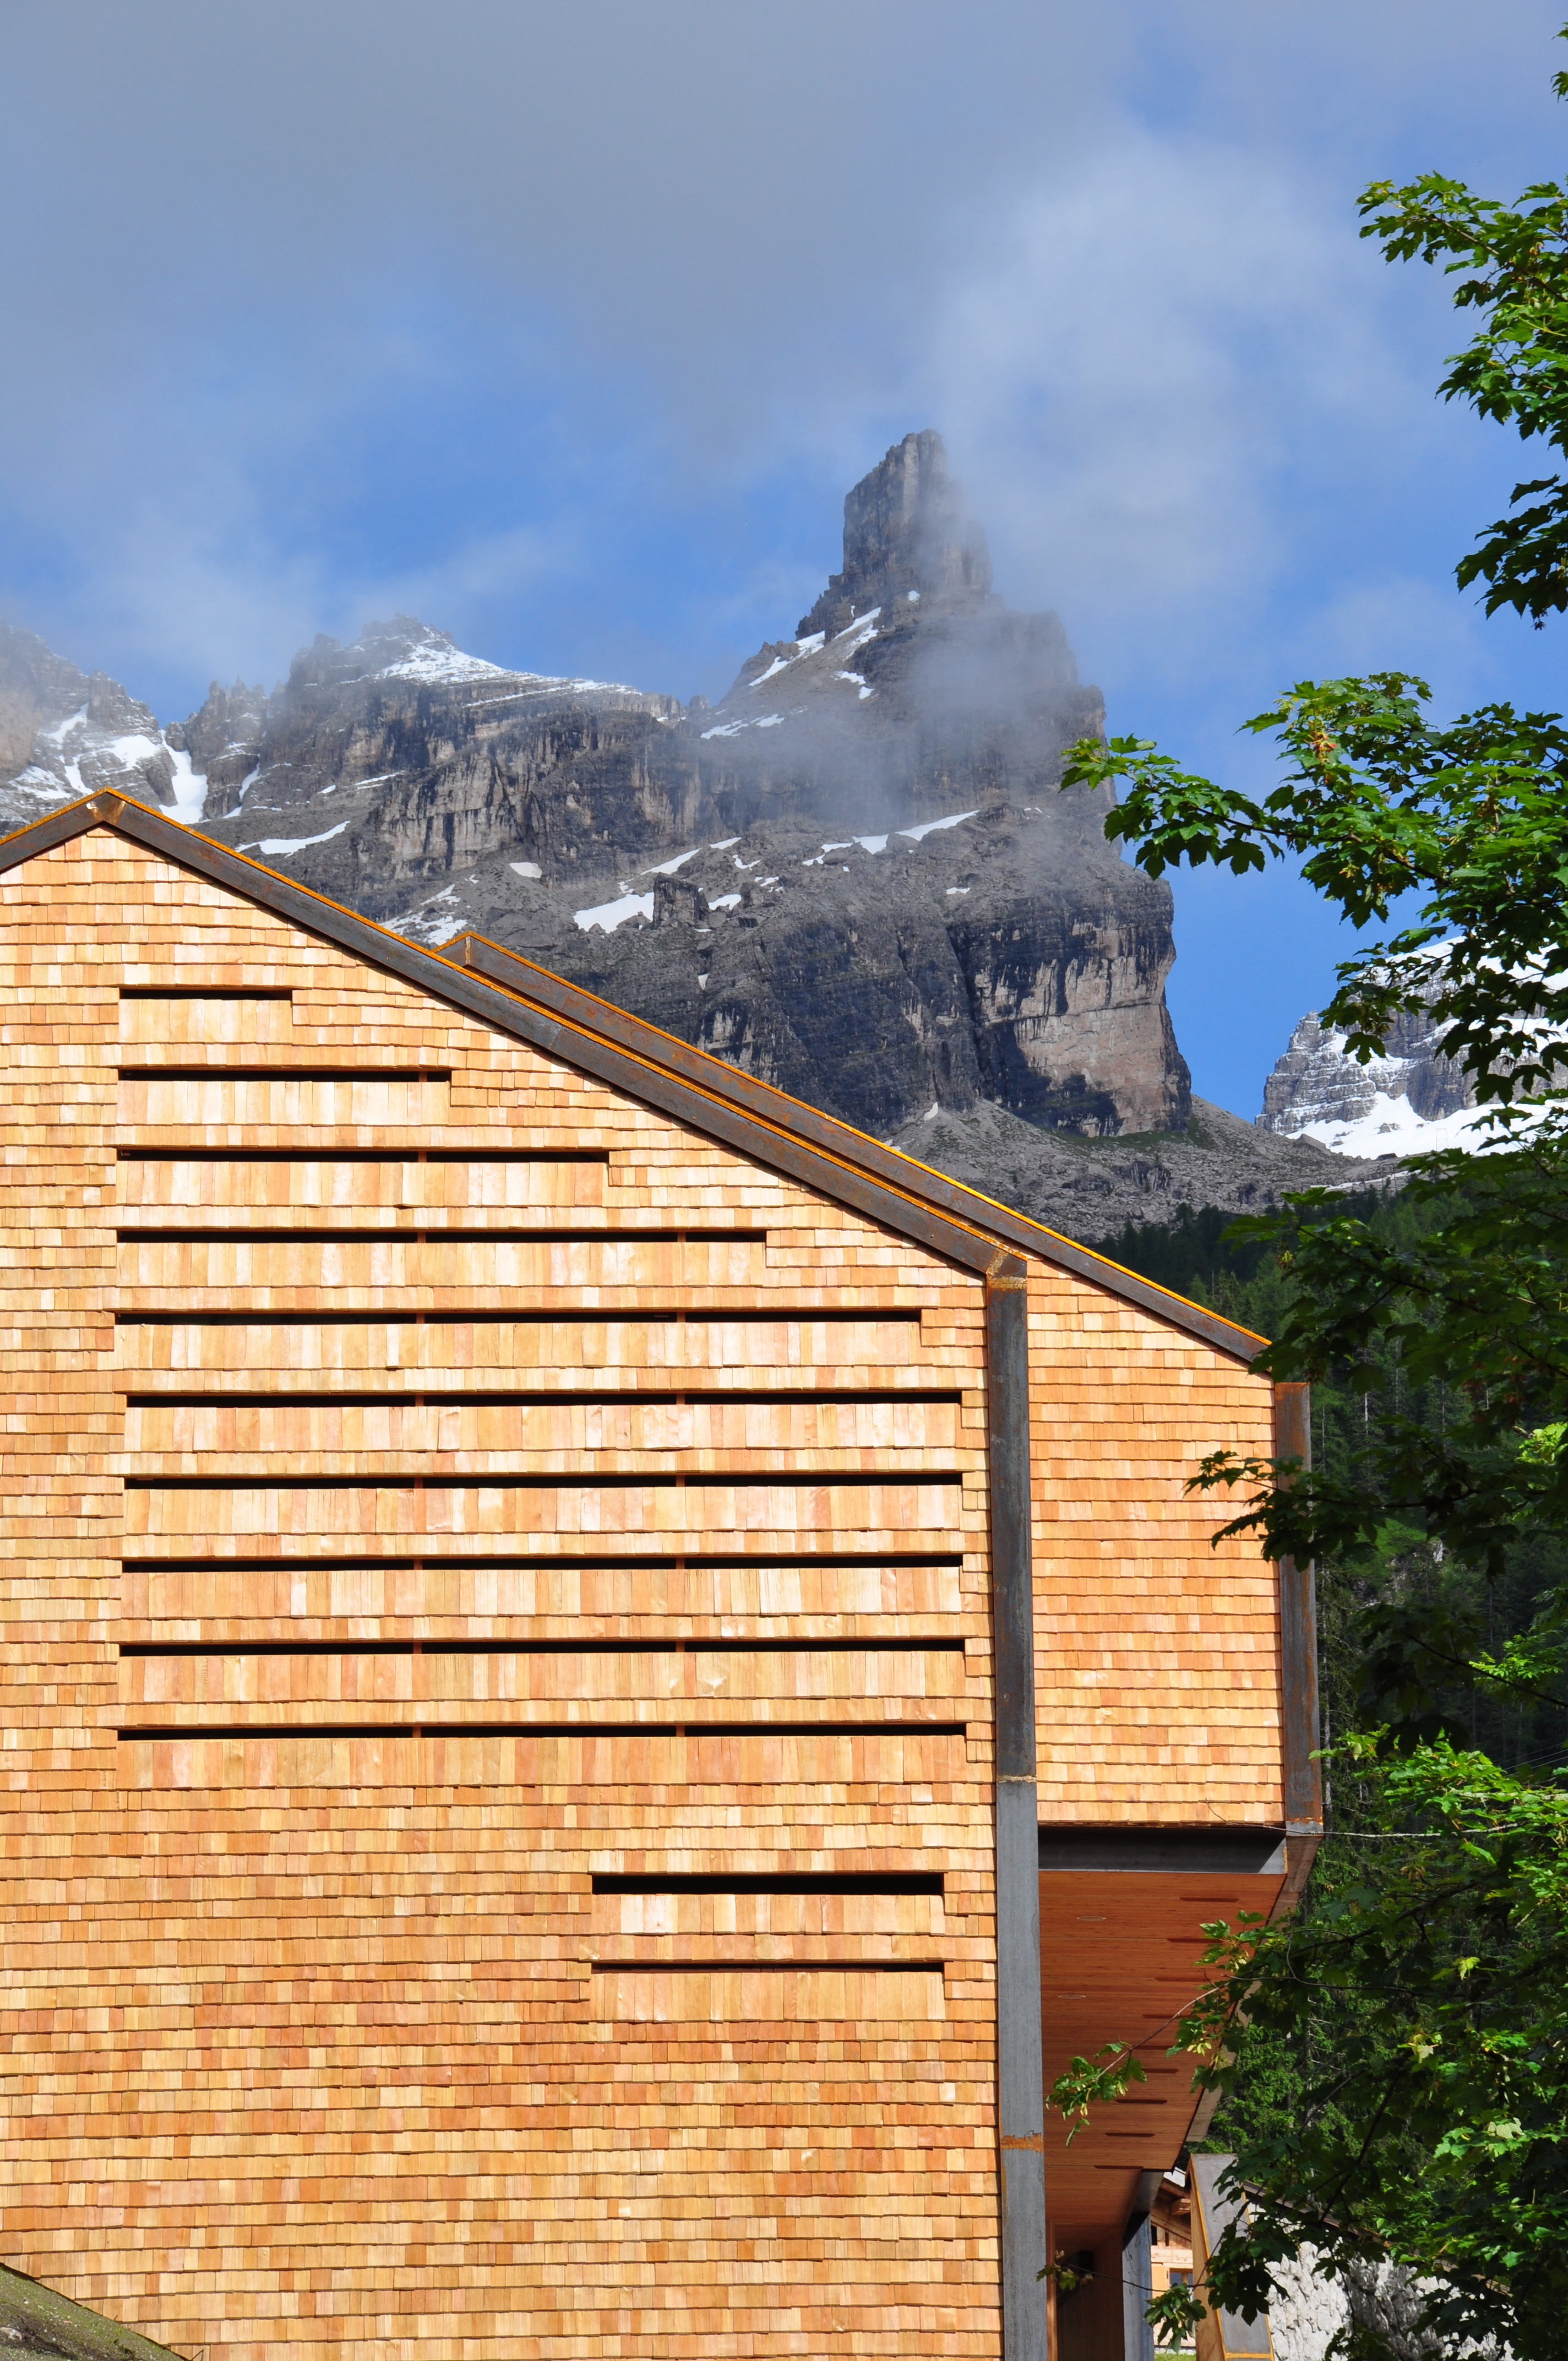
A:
[65, 733]
[1406, 1102]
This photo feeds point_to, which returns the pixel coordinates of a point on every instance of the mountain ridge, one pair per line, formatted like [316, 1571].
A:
[855, 876]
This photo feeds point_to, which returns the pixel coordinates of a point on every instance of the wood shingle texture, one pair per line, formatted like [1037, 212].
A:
[498, 1720]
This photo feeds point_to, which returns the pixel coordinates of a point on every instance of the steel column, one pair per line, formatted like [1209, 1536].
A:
[1301, 1776]
[1020, 2062]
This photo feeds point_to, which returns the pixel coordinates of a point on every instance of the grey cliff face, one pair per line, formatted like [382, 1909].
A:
[854, 876]
[1318, 1087]
[904, 531]
[65, 733]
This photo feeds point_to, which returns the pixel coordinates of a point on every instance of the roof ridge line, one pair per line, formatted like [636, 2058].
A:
[860, 1147]
[943, 1208]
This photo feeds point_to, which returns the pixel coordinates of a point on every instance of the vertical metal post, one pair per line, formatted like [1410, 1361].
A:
[1303, 1777]
[1020, 2061]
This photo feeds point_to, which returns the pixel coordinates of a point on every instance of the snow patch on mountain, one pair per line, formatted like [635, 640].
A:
[1390, 1126]
[1409, 1100]
[733, 728]
[610, 915]
[65, 734]
[925, 828]
[440, 659]
[432, 922]
[189, 789]
[551, 683]
[286, 844]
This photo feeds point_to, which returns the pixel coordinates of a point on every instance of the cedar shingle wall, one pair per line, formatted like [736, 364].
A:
[459, 1519]
[1156, 1665]
[474, 1544]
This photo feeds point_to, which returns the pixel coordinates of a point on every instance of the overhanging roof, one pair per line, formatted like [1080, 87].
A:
[515, 996]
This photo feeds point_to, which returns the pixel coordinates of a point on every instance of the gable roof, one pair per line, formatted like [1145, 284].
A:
[514, 995]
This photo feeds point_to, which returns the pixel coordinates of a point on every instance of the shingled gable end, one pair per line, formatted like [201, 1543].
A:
[603, 1676]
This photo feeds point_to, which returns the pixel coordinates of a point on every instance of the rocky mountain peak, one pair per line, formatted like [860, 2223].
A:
[855, 876]
[1410, 1100]
[65, 732]
[401, 649]
[906, 537]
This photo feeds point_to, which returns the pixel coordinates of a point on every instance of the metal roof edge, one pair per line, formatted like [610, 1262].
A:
[633, 1066]
[488, 982]
[891, 1164]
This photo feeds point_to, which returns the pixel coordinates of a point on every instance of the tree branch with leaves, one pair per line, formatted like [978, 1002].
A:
[1422, 1996]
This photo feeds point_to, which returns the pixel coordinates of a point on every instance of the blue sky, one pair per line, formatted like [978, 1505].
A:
[566, 327]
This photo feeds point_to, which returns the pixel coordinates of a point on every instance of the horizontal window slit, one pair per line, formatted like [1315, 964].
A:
[159, 1651]
[515, 1561]
[449, 1397]
[164, 1733]
[252, 1073]
[484, 1316]
[435, 1234]
[798, 1882]
[768, 1966]
[699, 1480]
[206, 992]
[507, 1158]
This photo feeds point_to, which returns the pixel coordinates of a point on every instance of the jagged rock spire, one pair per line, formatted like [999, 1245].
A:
[905, 529]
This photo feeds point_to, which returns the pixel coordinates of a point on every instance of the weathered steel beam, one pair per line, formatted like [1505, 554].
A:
[1020, 2059]
[1301, 1774]
[1137, 2284]
[886, 1163]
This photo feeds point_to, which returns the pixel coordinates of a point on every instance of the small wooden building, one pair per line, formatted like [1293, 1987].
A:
[602, 1677]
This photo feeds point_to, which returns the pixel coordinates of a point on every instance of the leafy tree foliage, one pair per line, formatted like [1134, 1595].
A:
[1424, 2000]
[1515, 368]
[1400, 2079]
[1377, 803]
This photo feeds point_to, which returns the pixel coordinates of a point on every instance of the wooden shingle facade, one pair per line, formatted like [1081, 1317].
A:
[600, 1676]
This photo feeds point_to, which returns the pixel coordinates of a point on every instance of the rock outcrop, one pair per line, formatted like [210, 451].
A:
[1408, 1100]
[883, 901]
[1091, 1188]
[65, 733]
[906, 537]
[855, 876]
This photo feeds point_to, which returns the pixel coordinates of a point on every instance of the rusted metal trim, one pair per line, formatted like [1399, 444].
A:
[889, 1164]
[1020, 2057]
[55, 828]
[634, 1075]
[921, 1192]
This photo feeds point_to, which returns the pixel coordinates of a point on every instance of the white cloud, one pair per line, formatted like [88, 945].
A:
[1142, 370]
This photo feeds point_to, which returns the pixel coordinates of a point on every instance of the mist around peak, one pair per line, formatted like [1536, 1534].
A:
[855, 876]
